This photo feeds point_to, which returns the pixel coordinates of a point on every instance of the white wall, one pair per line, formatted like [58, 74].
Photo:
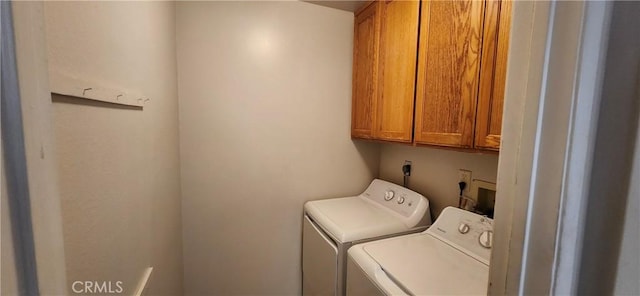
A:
[628, 267]
[40, 152]
[612, 235]
[9, 278]
[529, 28]
[434, 172]
[118, 167]
[265, 99]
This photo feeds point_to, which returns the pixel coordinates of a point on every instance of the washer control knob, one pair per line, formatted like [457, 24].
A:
[463, 228]
[400, 200]
[486, 239]
[388, 195]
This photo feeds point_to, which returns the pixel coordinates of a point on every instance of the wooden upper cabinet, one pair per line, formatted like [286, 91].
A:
[365, 72]
[493, 75]
[396, 69]
[448, 69]
[447, 57]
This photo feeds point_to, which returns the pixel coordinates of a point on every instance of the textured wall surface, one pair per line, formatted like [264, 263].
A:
[265, 100]
[118, 167]
[39, 148]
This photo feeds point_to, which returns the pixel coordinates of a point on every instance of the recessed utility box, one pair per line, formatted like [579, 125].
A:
[484, 193]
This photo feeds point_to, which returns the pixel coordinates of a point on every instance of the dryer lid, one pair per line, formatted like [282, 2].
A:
[382, 209]
[424, 265]
[351, 219]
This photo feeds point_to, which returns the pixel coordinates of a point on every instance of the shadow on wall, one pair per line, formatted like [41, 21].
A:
[370, 154]
[434, 172]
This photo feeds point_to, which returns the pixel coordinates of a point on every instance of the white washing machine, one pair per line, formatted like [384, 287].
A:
[331, 226]
[449, 258]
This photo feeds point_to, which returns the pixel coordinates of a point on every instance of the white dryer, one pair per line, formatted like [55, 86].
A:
[331, 226]
[450, 258]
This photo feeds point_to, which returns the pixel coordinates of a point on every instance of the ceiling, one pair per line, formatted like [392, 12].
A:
[351, 5]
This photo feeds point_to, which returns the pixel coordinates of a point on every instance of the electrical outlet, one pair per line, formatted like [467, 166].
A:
[406, 168]
[465, 176]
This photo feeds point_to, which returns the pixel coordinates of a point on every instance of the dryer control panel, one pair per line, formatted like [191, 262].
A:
[466, 231]
[412, 206]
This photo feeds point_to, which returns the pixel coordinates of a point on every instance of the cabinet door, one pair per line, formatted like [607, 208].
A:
[397, 69]
[448, 69]
[365, 72]
[493, 74]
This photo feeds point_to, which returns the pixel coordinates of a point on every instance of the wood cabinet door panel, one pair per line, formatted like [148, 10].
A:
[396, 69]
[365, 72]
[493, 75]
[448, 70]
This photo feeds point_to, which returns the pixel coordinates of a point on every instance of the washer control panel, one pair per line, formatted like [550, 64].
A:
[466, 231]
[412, 206]
[486, 239]
[463, 228]
[388, 195]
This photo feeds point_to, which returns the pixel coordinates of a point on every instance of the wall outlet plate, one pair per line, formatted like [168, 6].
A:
[406, 163]
[465, 176]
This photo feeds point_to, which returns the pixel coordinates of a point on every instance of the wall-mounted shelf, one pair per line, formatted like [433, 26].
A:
[67, 85]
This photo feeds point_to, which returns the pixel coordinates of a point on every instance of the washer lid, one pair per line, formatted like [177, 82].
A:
[354, 218]
[424, 265]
